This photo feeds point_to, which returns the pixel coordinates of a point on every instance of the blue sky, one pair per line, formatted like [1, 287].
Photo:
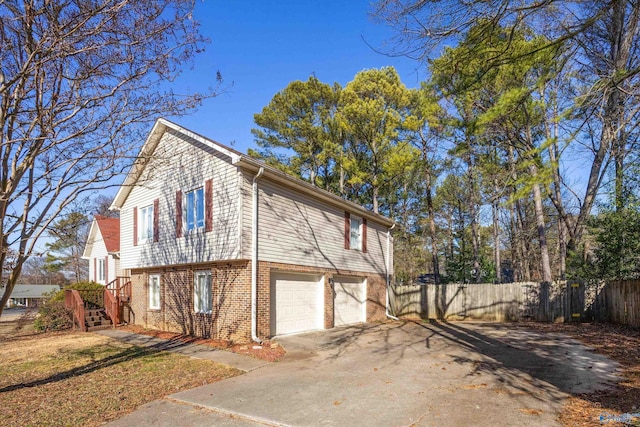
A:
[262, 46]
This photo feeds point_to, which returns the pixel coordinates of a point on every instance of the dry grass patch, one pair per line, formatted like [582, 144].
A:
[86, 379]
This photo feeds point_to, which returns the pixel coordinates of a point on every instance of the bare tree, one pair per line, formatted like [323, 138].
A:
[79, 82]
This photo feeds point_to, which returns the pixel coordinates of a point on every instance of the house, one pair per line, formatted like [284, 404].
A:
[29, 296]
[103, 249]
[219, 244]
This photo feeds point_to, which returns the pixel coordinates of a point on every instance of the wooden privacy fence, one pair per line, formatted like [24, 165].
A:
[621, 302]
[556, 302]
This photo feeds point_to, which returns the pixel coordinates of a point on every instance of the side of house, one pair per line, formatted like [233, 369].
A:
[219, 244]
[323, 262]
[180, 236]
[103, 250]
[29, 296]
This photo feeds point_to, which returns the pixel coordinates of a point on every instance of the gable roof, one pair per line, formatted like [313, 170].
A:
[109, 229]
[238, 159]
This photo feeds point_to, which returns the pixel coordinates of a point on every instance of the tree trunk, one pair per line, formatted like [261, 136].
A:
[432, 223]
[523, 241]
[463, 243]
[545, 263]
[496, 240]
[557, 192]
[475, 238]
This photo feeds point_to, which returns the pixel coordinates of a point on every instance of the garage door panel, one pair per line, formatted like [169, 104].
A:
[298, 303]
[350, 301]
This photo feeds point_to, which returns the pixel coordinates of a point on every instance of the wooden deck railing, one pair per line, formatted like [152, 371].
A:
[111, 307]
[117, 292]
[120, 287]
[73, 301]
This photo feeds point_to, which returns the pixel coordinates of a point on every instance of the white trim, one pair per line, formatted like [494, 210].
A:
[303, 279]
[101, 277]
[208, 301]
[150, 300]
[359, 219]
[185, 210]
[143, 238]
[361, 284]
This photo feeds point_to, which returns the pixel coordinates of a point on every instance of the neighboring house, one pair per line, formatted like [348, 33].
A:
[103, 250]
[219, 244]
[29, 295]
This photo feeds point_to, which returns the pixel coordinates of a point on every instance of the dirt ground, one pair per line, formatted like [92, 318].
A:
[619, 343]
[269, 351]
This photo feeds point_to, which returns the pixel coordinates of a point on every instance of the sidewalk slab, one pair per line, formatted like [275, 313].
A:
[168, 413]
[238, 361]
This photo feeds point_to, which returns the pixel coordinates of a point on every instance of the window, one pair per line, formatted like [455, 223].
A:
[101, 269]
[195, 209]
[202, 292]
[145, 224]
[154, 292]
[356, 233]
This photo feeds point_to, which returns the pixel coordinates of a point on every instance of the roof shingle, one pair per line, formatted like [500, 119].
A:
[110, 230]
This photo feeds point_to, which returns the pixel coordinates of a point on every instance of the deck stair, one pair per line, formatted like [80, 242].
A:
[94, 309]
[96, 319]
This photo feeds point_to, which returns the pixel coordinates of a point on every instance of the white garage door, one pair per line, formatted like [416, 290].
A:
[297, 302]
[350, 301]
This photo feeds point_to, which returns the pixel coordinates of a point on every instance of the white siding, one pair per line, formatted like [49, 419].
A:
[98, 251]
[295, 228]
[182, 163]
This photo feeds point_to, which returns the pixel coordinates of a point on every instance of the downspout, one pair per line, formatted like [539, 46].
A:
[389, 269]
[254, 258]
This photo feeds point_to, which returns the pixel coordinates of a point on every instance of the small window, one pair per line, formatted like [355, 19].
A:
[195, 209]
[101, 270]
[154, 292]
[356, 233]
[145, 224]
[202, 292]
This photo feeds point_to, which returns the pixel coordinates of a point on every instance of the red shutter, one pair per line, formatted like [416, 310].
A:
[156, 215]
[135, 226]
[106, 270]
[364, 235]
[208, 205]
[347, 230]
[178, 213]
[95, 269]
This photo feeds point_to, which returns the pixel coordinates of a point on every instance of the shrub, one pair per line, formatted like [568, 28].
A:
[54, 316]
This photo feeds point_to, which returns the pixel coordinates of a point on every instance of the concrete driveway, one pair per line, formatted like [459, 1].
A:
[401, 374]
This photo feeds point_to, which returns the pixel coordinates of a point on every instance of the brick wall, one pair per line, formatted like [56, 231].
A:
[230, 318]
[376, 293]
[231, 293]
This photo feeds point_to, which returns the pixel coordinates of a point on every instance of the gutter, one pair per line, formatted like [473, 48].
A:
[254, 257]
[389, 275]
